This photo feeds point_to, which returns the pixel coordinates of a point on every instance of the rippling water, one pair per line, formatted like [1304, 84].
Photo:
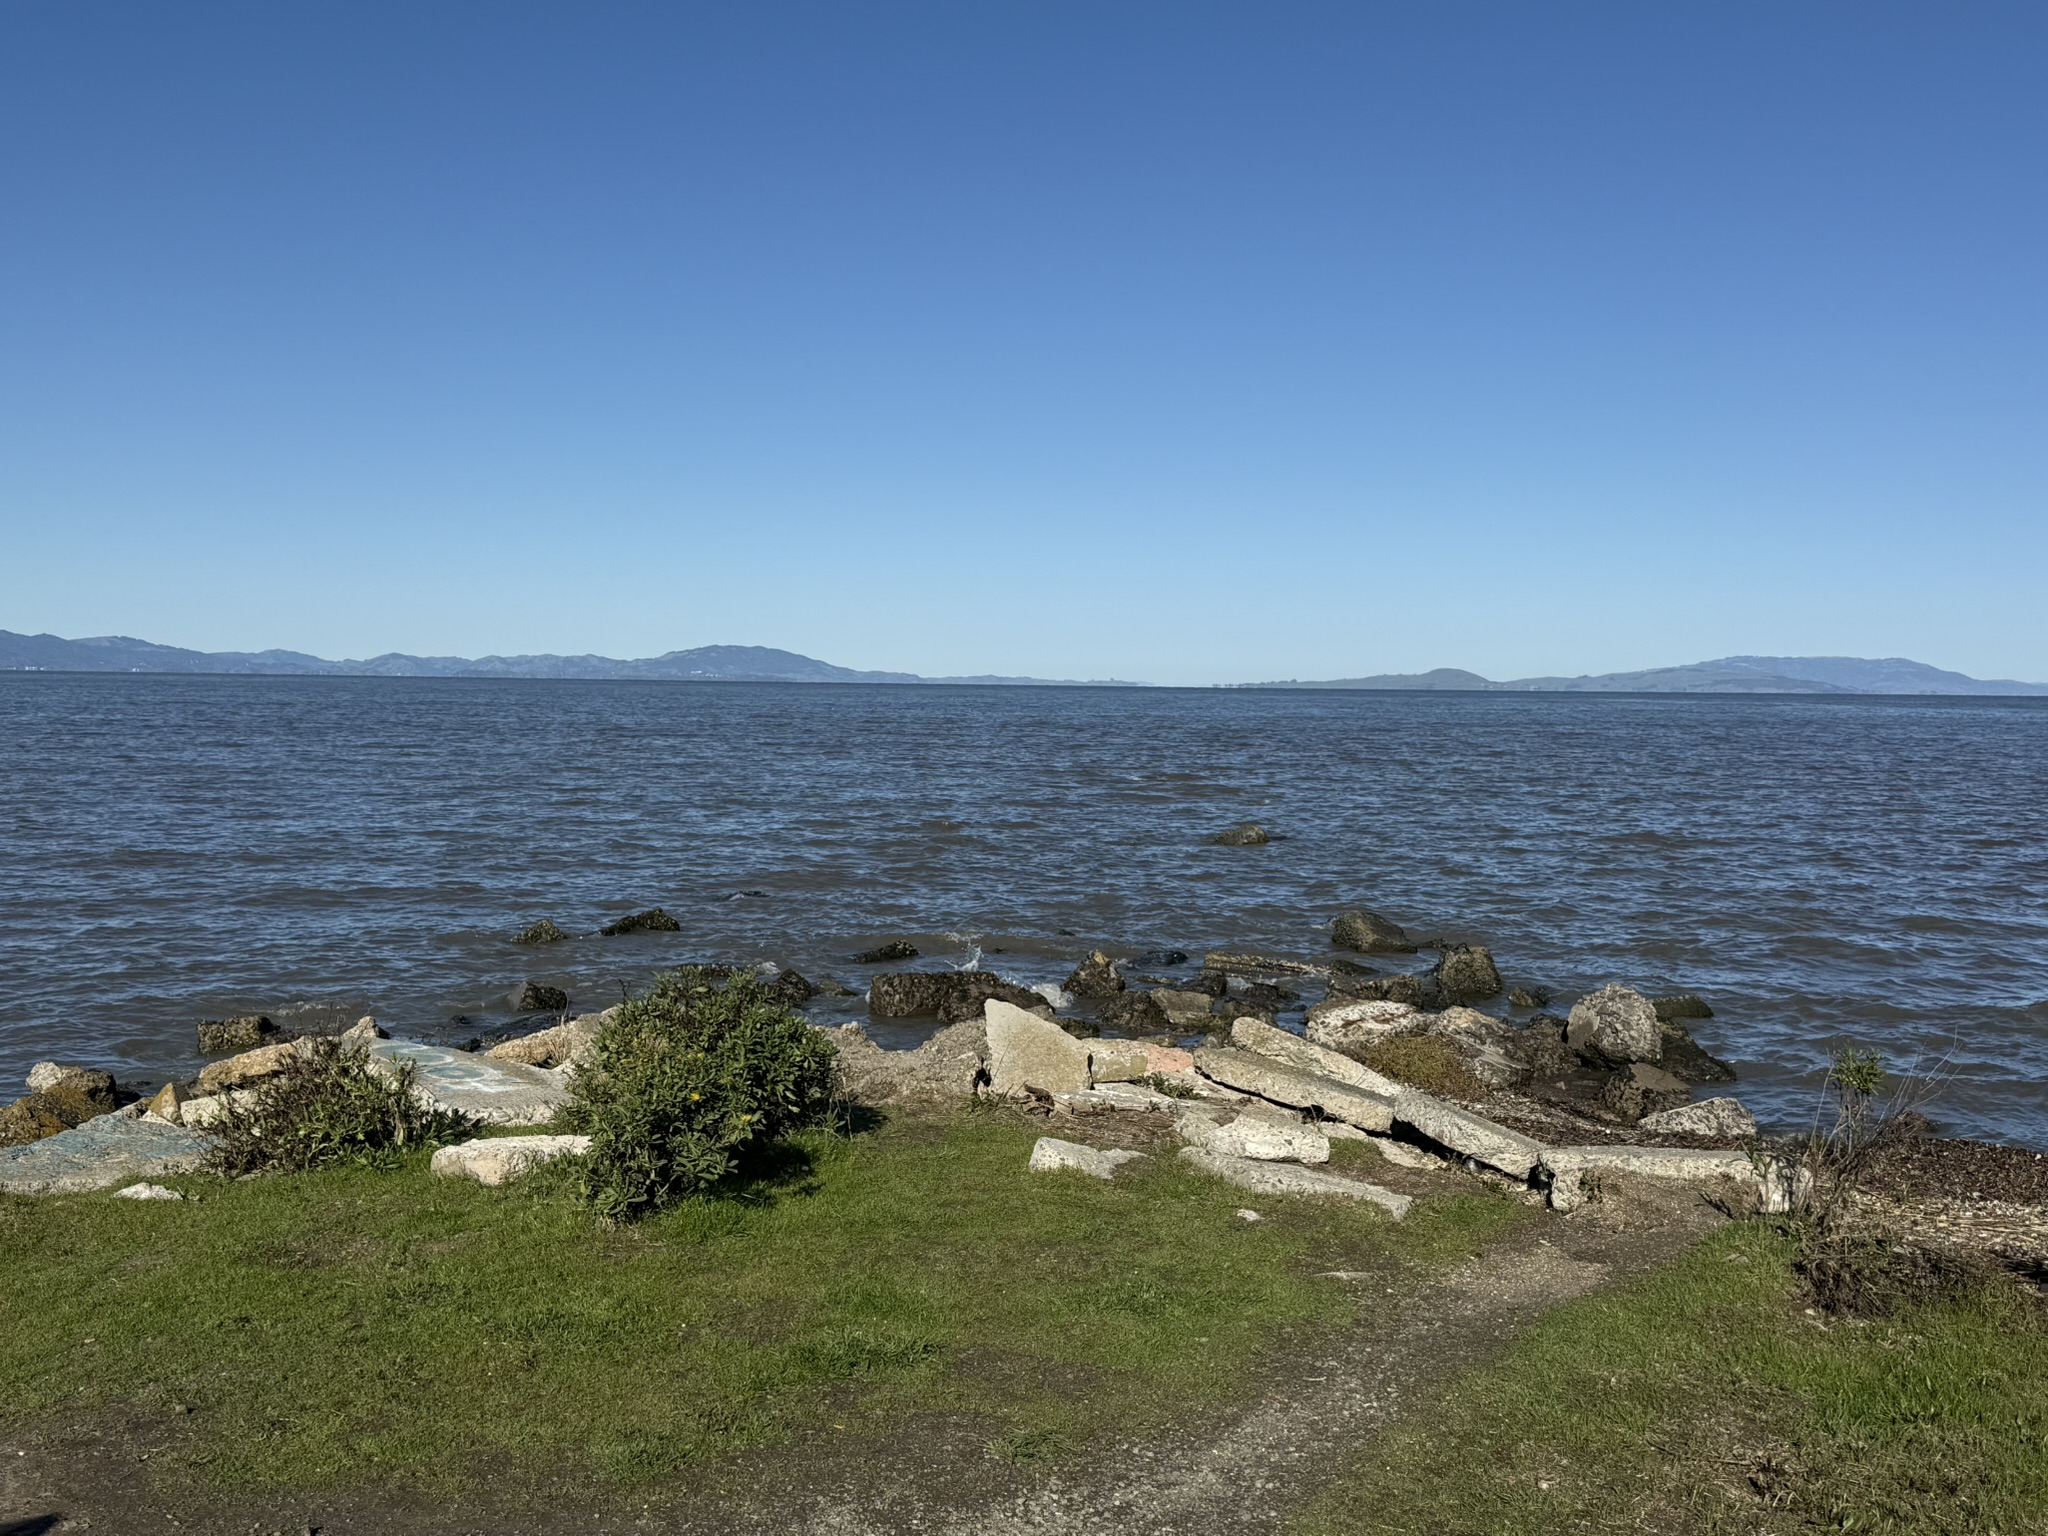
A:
[180, 848]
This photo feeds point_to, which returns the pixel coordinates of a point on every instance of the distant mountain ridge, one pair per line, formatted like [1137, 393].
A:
[1731, 674]
[706, 663]
[764, 664]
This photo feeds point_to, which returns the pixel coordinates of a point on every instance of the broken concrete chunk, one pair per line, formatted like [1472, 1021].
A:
[1265, 1138]
[1251, 1073]
[1616, 1023]
[1051, 1155]
[1352, 1024]
[500, 1159]
[147, 1192]
[1709, 1117]
[249, 1067]
[1469, 1135]
[496, 1092]
[944, 1070]
[1290, 1179]
[1117, 1061]
[112, 1149]
[1568, 1167]
[1026, 1052]
[1293, 1051]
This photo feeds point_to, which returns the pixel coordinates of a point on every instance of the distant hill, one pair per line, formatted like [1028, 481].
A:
[1731, 674]
[707, 663]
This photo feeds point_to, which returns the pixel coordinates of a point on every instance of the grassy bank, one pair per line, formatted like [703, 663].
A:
[1706, 1399]
[349, 1325]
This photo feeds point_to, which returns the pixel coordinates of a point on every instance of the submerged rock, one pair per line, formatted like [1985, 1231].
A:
[653, 920]
[791, 990]
[1160, 959]
[1683, 1057]
[88, 1083]
[1530, 997]
[1617, 1025]
[1097, 976]
[538, 997]
[219, 1036]
[884, 954]
[1369, 933]
[1465, 973]
[1246, 834]
[1681, 1005]
[1415, 991]
[542, 932]
[1138, 1013]
[955, 996]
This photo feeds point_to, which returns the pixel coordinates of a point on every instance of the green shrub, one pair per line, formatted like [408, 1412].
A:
[327, 1106]
[685, 1081]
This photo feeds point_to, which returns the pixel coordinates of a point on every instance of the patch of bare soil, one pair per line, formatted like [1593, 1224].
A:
[1242, 1471]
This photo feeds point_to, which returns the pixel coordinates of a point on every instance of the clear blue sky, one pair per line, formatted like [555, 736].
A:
[1177, 342]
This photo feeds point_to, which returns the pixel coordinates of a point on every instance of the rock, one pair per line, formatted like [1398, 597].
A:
[89, 1083]
[1370, 934]
[542, 932]
[1120, 1097]
[1288, 1179]
[1716, 1118]
[1616, 1025]
[1681, 1005]
[249, 1067]
[1051, 1155]
[1160, 959]
[1538, 1048]
[1246, 834]
[1239, 963]
[955, 996]
[35, 1116]
[202, 1113]
[1097, 976]
[653, 920]
[1414, 991]
[1683, 1058]
[1354, 1024]
[166, 1104]
[1168, 1061]
[1136, 1013]
[790, 989]
[147, 1192]
[217, 1036]
[1467, 1134]
[1269, 1079]
[1530, 997]
[1266, 1138]
[946, 1069]
[884, 954]
[362, 1033]
[1305, 1056]
[1481, 1040]
[537, 997]
[500, 1159]
[1026, 1052]
[105, 1151]
[1569, 1166]
[1465, 973]
[1640, 1089]
[1183, 1009]
[496, 1092]
[1117, 1061]
[1230, 1009]
[559, 1045]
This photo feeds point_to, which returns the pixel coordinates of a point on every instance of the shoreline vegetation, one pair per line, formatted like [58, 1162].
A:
[1419, 1267]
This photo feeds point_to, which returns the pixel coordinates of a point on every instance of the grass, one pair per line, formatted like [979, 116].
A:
[1428, 1063]
[1705, 1399]
[349, 1325]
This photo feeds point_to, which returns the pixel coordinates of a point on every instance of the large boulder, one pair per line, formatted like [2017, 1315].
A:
[1465, 973]
[1026, 1052]
[1097, 976]
[1369, 933]
[35, 1116]
[946, 1069]
[1617, 1024]
[219, 1036]
[559, 1045]
[538, 997]
[1710, 1119]
[88, 1083]
[955, 996]
[107, 1150]
[1356, 1024]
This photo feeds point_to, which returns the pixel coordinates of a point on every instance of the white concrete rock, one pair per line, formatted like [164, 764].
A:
[1306, 1056]
[1709, 1117]
[1568, 1167]
[1469, 1135]
[147, 1192]
[1290, 1179]
[1265, 1138]
[1051, 1155]
[1352, 1024]
[1026, 1052]
[499, 1159]
[1249, 1072]
[495, 1092]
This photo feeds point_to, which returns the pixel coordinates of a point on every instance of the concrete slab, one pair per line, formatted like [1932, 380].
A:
[496, 1092]
[1051, 1155]
[499, 1159]
[1470, 1135]
[109, 1150]
[1248, 1072]
[1291, 1179]
[1568, 1167]
[1306, 1056]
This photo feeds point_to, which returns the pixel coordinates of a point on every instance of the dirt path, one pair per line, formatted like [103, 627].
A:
[1244, 1474]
